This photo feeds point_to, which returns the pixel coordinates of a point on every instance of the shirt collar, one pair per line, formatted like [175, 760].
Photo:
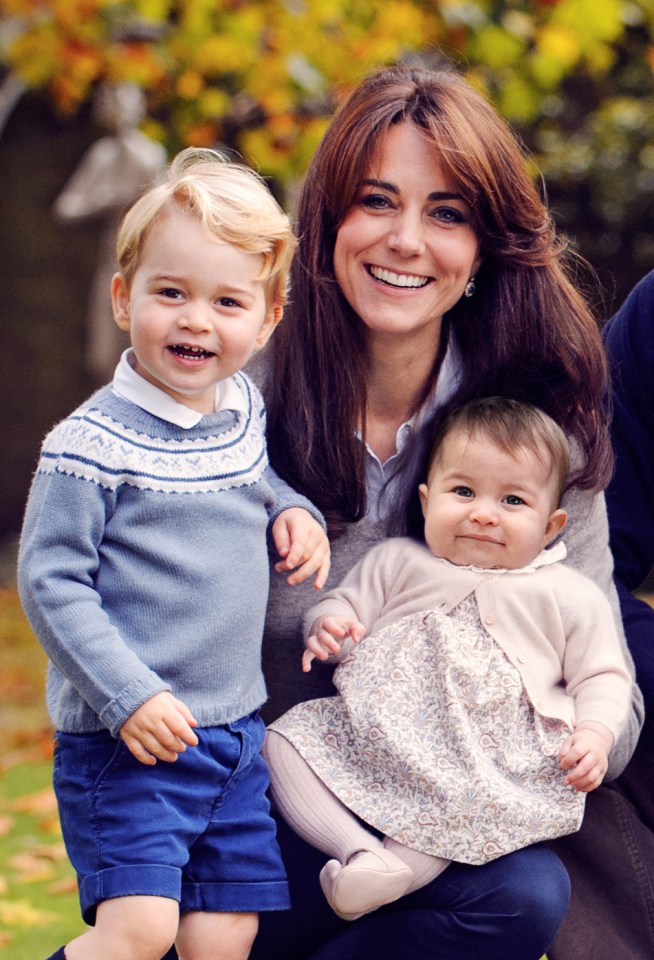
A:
[130, 385]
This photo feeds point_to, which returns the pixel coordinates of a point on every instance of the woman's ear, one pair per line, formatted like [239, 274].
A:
[120, 301]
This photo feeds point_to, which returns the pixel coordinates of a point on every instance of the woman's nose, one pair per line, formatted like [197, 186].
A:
[406, 234]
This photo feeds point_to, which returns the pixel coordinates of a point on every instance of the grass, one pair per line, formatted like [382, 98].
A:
[38, 894]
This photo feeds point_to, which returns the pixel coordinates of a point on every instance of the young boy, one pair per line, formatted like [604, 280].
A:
[143, 568]
[490, 688]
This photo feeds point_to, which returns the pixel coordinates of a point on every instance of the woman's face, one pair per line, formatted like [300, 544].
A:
[407, 248]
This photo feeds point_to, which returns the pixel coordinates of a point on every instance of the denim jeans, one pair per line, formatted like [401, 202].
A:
[611, 866]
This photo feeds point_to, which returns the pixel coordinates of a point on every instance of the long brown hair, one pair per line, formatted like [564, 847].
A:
[526, 332]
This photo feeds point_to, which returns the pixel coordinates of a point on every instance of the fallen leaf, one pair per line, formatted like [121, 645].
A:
[69, 885]
[21, 913]
[41, 802]
[30, 867]
[6, 824]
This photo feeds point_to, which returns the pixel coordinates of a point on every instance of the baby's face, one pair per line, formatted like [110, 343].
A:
[484, 507]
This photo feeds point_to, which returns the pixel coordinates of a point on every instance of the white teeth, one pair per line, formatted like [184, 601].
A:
[398, 279]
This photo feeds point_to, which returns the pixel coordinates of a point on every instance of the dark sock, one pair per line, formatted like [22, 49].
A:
[59, 955]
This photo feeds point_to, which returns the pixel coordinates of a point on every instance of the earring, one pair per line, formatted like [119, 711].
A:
[470, 287]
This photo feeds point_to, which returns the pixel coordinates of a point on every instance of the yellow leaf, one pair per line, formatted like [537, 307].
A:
[21, 913]
[6, 825]
[43, 801]
[560, 44]
[30, 868]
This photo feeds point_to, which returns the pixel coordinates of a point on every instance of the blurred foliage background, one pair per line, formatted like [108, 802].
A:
[575, 78]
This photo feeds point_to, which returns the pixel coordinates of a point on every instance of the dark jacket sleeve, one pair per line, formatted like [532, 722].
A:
[629, 339]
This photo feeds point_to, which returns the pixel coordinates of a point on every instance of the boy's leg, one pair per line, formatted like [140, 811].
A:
[216, 936]
[128, 927]
[366, 875]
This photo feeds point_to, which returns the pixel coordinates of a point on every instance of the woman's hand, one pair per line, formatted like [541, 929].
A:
[585, 754]
[159, 729]
[327, 637]
[304, 546]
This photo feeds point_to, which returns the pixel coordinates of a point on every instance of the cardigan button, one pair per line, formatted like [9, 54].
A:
[490, 619]
[522, 658]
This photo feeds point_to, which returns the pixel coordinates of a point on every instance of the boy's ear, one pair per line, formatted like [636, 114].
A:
[120, 301]
[556, 523]
[273, 316]
[423, 491]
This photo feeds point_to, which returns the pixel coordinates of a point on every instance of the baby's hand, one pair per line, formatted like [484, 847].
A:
[159, 729]
[585, 754]
[304, 546]
[328, 635]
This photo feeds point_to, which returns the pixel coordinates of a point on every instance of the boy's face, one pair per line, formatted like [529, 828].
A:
[484, 507]
[194, 309]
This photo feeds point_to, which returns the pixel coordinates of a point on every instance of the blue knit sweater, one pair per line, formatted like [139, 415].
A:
[143, 563]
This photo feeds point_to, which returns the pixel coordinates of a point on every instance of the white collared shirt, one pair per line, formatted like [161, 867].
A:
[130, 385]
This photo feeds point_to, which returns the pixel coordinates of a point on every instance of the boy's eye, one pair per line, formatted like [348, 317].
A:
[463, 492]
[170, 293]
[228, 302]
[513, 500]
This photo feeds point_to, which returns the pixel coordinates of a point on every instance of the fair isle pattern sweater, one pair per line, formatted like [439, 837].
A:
[143, 563]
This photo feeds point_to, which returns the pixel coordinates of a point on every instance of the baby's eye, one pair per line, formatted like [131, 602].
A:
[463, 492]
[170, 293]
[513, 500]
[228, 302]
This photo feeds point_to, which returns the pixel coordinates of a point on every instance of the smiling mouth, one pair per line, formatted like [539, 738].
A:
[392, 279]
[480, 539]
[189, 352]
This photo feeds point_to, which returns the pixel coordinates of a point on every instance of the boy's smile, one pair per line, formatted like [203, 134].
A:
[195, 309]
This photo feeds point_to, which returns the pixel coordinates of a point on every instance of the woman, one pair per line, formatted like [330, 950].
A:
[428, 273]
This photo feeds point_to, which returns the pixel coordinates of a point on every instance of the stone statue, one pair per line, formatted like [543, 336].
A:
[110, 175]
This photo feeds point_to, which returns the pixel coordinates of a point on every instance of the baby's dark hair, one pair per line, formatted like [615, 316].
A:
[509, 424]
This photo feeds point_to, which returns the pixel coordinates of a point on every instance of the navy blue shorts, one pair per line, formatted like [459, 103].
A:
[197, 830]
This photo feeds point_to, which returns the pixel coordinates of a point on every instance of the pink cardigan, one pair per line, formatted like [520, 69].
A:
[554, 624]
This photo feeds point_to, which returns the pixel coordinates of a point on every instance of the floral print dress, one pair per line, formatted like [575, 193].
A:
[433, 741]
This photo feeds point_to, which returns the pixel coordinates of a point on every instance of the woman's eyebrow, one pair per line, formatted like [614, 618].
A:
[391, 188]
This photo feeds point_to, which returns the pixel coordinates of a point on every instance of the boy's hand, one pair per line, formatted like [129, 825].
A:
[159, 729]
[328, 635]
[585, 754]
[304, 546]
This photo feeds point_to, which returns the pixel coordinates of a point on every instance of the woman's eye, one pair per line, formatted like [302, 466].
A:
[375, 201]
[513, 500]
[448, 215]
[463, 492]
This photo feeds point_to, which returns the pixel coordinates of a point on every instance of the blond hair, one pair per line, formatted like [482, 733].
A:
[233, 203]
